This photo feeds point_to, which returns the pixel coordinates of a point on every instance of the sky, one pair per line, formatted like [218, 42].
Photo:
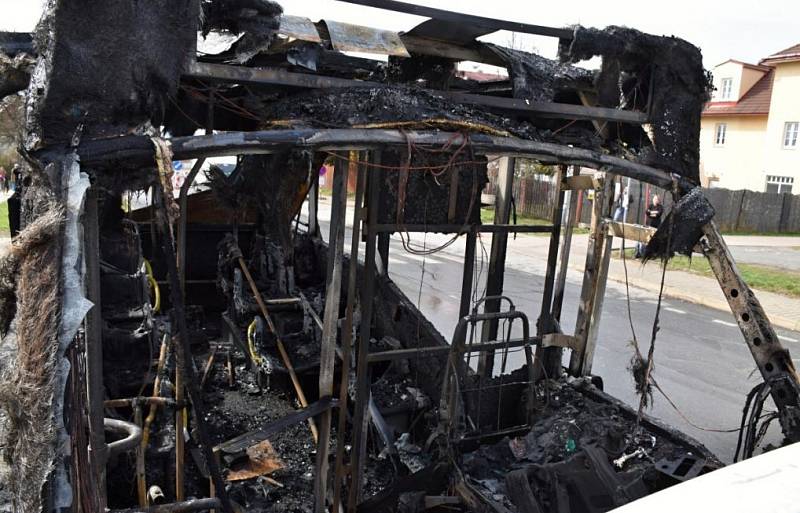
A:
[735, 29]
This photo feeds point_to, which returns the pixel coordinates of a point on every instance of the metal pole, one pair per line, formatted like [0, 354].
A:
[94, 348]
[384, 238]
[347, 338]
[572, 220]
[549, 359]
[773, 360]
[467, 277]
[361, 417]
[591, 278]
[497, 260]
[313, 206]
[184, 353]
[183, 196]
[333, 290]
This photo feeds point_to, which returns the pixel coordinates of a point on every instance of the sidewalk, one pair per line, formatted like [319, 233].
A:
[782, 311]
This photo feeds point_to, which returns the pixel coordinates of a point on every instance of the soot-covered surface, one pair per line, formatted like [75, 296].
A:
[342, 108]
[108, 66]
[669, 67]
[537, 78]
[572, 422]
[233, 411]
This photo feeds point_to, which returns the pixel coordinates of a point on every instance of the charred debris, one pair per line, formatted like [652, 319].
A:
[209, 351]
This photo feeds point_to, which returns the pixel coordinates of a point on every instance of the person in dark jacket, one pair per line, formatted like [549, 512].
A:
[654, 212]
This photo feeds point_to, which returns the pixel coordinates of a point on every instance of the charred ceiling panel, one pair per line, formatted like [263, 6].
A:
[108, 67]
[666, 73]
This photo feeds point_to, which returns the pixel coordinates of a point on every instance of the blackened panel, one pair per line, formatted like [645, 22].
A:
[108, 65]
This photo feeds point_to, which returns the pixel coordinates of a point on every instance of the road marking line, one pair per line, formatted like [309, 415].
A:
[788, 339]
[675, 310]
[724, 323]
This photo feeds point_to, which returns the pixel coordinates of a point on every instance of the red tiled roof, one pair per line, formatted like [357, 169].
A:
[755, 102]
[789, 54]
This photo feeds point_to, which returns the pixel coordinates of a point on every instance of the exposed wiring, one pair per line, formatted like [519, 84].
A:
[153, 286]
[258, 360]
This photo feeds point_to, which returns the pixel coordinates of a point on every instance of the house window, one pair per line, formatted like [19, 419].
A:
[720, 133]
[790, 133]
[727, 88]
[779, 184]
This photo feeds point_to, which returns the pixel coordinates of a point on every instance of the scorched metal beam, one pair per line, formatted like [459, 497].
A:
[138, 150]
[281, 77]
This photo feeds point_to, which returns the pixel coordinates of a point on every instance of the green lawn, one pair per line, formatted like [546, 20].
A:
[772, 279]
[487, 217]
[4, 228]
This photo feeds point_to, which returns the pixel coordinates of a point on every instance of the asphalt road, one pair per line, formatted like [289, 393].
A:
[701, 360]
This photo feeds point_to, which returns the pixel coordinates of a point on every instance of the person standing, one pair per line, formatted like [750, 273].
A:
[620, 205]
[653, 214]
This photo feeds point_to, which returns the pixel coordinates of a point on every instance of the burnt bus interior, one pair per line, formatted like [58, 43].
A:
[228, 348]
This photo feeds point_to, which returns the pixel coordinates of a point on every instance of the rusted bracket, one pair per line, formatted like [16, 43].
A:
[771, 357]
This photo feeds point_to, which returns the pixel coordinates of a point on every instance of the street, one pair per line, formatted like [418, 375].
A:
[701, 360]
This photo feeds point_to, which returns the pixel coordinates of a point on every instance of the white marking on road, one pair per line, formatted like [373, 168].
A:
[724, 323]
[675, 310]
[788, 339]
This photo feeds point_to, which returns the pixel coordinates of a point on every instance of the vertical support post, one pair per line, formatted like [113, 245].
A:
[772, 359]
[497, 259]
[361, 417]
[469, 270]
[183, 204]
[549, 359]
[383, 237]
[580, 361]
[94, 347]
[141, 484]
[180, 421]
[572, 220]
[183, 352]
[313, 206]
[347, 337]
[183, 196]
[333, 288]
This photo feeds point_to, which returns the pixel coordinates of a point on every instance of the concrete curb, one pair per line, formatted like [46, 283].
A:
[675, 293]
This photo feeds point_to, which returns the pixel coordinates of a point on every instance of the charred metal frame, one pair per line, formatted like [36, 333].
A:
[772, 359]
